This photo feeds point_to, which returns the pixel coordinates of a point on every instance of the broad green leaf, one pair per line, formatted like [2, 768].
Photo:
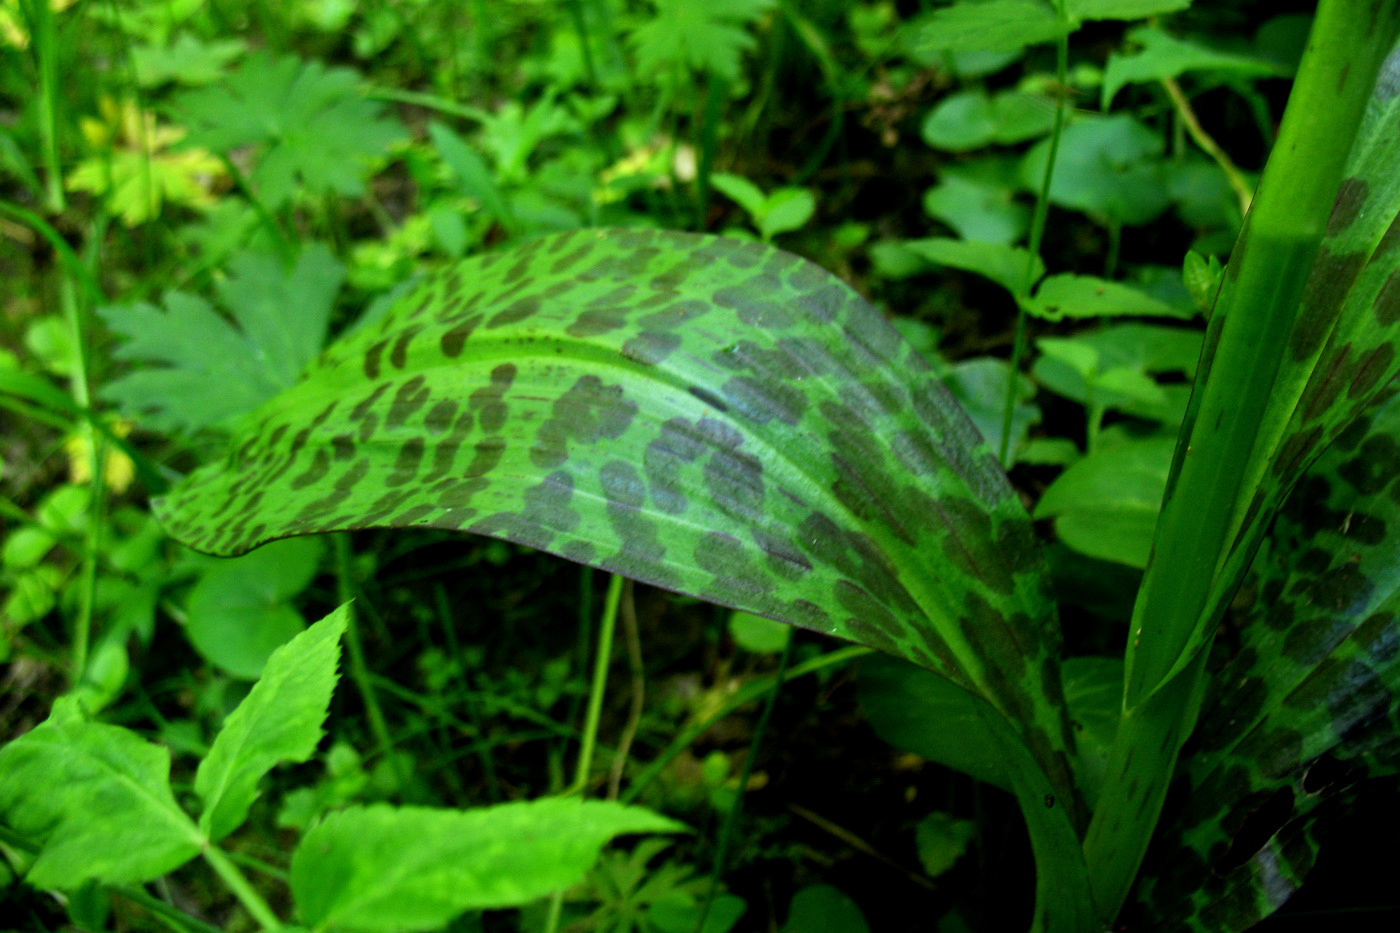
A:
[316, 131]
[784, 210]
[1112, 368]
[1106, 504]
[740, 190]
[704, 37]
[977, 209]
[979, 385]
[1306, 698]
[1079, 296]
[757, 634]
[917, 711]
[239, 611]
[382, 868]
[279, 721]
[1123, 9]
[1163, 56]
[197, 369]
[185, 61]
[709, 416]
[972, 119]
[1005, 265]
[98, 798]
[942, 839]
[1094, 693]
[820, 908]
[1106, 166]
[986, 25]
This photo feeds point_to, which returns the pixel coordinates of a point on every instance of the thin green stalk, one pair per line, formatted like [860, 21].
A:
[1038, 222]
[43, 37]
[238, 884]
[594, 713]
[1216, 472]
[359, 669]
[588, 742]
[731, 819]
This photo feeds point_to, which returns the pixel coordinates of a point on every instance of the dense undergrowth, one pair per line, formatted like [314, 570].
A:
[197, 197]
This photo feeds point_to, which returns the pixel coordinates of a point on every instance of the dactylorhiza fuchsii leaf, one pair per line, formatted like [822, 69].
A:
[709, 416]
[1342, 352]
[1306, 701]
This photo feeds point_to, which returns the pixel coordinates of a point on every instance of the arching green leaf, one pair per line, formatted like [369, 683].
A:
[709, 416]
[1307, 696]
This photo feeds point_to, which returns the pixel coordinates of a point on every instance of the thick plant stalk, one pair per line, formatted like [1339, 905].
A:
[1216, 468]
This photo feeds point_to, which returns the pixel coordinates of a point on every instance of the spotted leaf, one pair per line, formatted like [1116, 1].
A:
[713, 417]
[1306, 702]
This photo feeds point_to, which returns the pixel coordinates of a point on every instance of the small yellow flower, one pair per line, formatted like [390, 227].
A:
[117, 468]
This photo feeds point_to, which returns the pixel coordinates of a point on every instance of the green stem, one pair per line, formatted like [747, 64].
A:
[239, 885]
[44, 38]
[1038, 222]
[594, 713]
[589, 740]
[1218, 462]
[359, 669]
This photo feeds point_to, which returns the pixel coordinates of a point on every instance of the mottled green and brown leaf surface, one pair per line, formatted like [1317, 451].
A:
[1305, 702]
[1343, 349]
[713, 417]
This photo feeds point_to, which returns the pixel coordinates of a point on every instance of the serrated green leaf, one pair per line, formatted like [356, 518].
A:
[98, 797]
[1163, 56]
[382, 868]
[1306, 698]
[279, 721]
[200, 371]
[710, 416]
[1081, 296]
[239, 611]
[703, 37]
[1106, 504]
[316, 130]
[985, 25]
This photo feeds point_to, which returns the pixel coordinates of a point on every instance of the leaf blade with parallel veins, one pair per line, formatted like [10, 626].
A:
[709, 416]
